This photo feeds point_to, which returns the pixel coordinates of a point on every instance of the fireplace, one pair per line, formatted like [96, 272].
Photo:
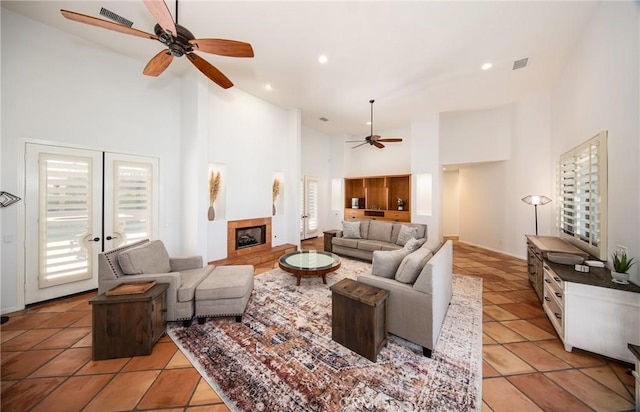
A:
[250, 236]
[247, 236]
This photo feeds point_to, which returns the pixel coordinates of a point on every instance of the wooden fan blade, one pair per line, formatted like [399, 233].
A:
[375, 137]
[392, 139]
[378, 145]
[160, 12]
[105, 24]
[158, 63]
[222, 47]
[208, 70]
[358, 145]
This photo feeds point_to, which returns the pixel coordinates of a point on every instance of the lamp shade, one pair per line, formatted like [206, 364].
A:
[536, 200]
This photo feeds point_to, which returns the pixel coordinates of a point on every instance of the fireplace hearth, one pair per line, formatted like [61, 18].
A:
[250, 236]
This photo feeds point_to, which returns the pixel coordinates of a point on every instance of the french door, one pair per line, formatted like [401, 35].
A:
[308, 207]
[78, 203]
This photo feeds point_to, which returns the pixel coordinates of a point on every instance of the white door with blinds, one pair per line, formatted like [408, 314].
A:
[78, 203]
[309, 207]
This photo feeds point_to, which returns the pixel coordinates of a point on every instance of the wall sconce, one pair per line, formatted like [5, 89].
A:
[536, 200]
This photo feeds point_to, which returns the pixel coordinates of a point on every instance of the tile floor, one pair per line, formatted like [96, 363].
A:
[46, 357]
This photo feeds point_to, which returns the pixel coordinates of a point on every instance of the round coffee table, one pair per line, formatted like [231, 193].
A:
[309, 263]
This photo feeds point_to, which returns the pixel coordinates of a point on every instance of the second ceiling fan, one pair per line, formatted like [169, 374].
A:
[374, 139]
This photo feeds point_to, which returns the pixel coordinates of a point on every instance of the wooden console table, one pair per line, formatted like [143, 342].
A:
[128, 325]
[359, 317]
[328, 236]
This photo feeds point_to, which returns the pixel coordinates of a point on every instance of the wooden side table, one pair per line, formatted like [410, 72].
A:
[328, 235]
[128, 325]
[359, 317]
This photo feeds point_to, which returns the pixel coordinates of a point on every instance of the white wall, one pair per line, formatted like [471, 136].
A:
[83, 97]
[368, 160]
[315, 162]
[599, 90]
[450, 203]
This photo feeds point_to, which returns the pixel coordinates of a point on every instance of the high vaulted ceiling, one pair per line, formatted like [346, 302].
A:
[411, 57]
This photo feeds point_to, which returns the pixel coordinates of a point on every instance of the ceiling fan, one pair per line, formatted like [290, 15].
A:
[178, 40]
[374, 139]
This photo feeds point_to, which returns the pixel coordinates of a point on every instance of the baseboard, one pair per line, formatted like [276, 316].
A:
[493, 250]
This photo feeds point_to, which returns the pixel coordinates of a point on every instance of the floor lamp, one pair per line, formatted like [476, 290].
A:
[536, 200]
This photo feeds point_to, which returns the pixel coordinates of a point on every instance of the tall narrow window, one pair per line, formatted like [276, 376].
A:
[133, 197]
[582, 196]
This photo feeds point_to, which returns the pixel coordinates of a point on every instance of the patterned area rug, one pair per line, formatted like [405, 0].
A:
[281, 356]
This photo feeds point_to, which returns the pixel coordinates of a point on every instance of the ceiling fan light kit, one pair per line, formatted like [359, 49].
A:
[178, 40]
[374, 139]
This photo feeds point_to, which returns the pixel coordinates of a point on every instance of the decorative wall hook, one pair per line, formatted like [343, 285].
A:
[7, 199]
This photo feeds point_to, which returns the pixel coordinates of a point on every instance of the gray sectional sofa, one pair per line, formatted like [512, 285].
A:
[359, 238]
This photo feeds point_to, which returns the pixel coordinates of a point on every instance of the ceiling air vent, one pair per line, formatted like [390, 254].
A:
[112, 16]
[324, 119]
[519, 64]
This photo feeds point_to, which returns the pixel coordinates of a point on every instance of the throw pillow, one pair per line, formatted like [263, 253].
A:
[385, 262]
[380, 231]
[406, 233]
[412, 265]
[351, 230]
[151, 257]
[412, 244]
[432, 245]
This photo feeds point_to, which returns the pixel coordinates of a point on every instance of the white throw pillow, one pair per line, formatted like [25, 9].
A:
[412, 265]
[385, 262]
[412, 244]
[151, 257]
[351, 230]
[406, 233]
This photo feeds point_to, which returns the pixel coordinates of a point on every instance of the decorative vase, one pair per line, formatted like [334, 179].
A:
[620, 278]
[211, 213]
[273, 209]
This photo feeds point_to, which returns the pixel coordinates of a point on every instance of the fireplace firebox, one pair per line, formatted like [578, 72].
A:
[250, 236]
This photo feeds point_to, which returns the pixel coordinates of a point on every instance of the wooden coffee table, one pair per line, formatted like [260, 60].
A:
[309, 263]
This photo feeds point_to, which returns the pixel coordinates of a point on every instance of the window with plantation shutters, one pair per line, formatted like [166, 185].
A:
[312, 205]
[582, 196]
[133, 198]
[65, 216]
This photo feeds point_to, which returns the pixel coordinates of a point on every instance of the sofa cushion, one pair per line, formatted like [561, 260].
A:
[390, 246]
[364, 229]
[380, 231]
[340, 241]
[422, 230]
[432, 245]
[385, 263]
[151, 257]
[413, 244]
[351, 230]
[370, 245]
[406, 233]
[190, 279]
[412, 265]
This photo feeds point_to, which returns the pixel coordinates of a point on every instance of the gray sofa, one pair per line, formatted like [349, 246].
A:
[421, 288]
[374, 235]
[151, 262]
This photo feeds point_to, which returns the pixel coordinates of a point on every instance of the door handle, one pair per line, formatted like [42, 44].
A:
[95, 239]
[111, 237]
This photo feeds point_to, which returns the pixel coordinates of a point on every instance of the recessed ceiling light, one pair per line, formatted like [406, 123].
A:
[486, 66]
[268, 87]
[323, 59]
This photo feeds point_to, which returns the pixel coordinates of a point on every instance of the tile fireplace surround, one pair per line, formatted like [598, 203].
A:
[239, 224]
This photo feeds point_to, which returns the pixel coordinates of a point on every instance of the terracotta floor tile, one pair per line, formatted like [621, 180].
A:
[64, 338]
[504, 361]
[498, 313]
[64, 319]
[537, 357]
[84, 322]
[123, 392]
[178, 361]
[103, 366]
[528, 330]
[212, 408]
[28, 339]
[204, 394]
[620, 369]
[7, 335]
[86, 342]
[501, 333]
[549, 396]
[524, 310]
[593, 393]
[544, 324]
[606, 376]
[160, 356]
[487, 340]
[165, 393]
[488, 371]
[21, 366]
[66, 363]
[502, 396]
[496, 298]
[486, 408]
[27, 321]
[26, 393]
[74, 394]
[577, 358]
